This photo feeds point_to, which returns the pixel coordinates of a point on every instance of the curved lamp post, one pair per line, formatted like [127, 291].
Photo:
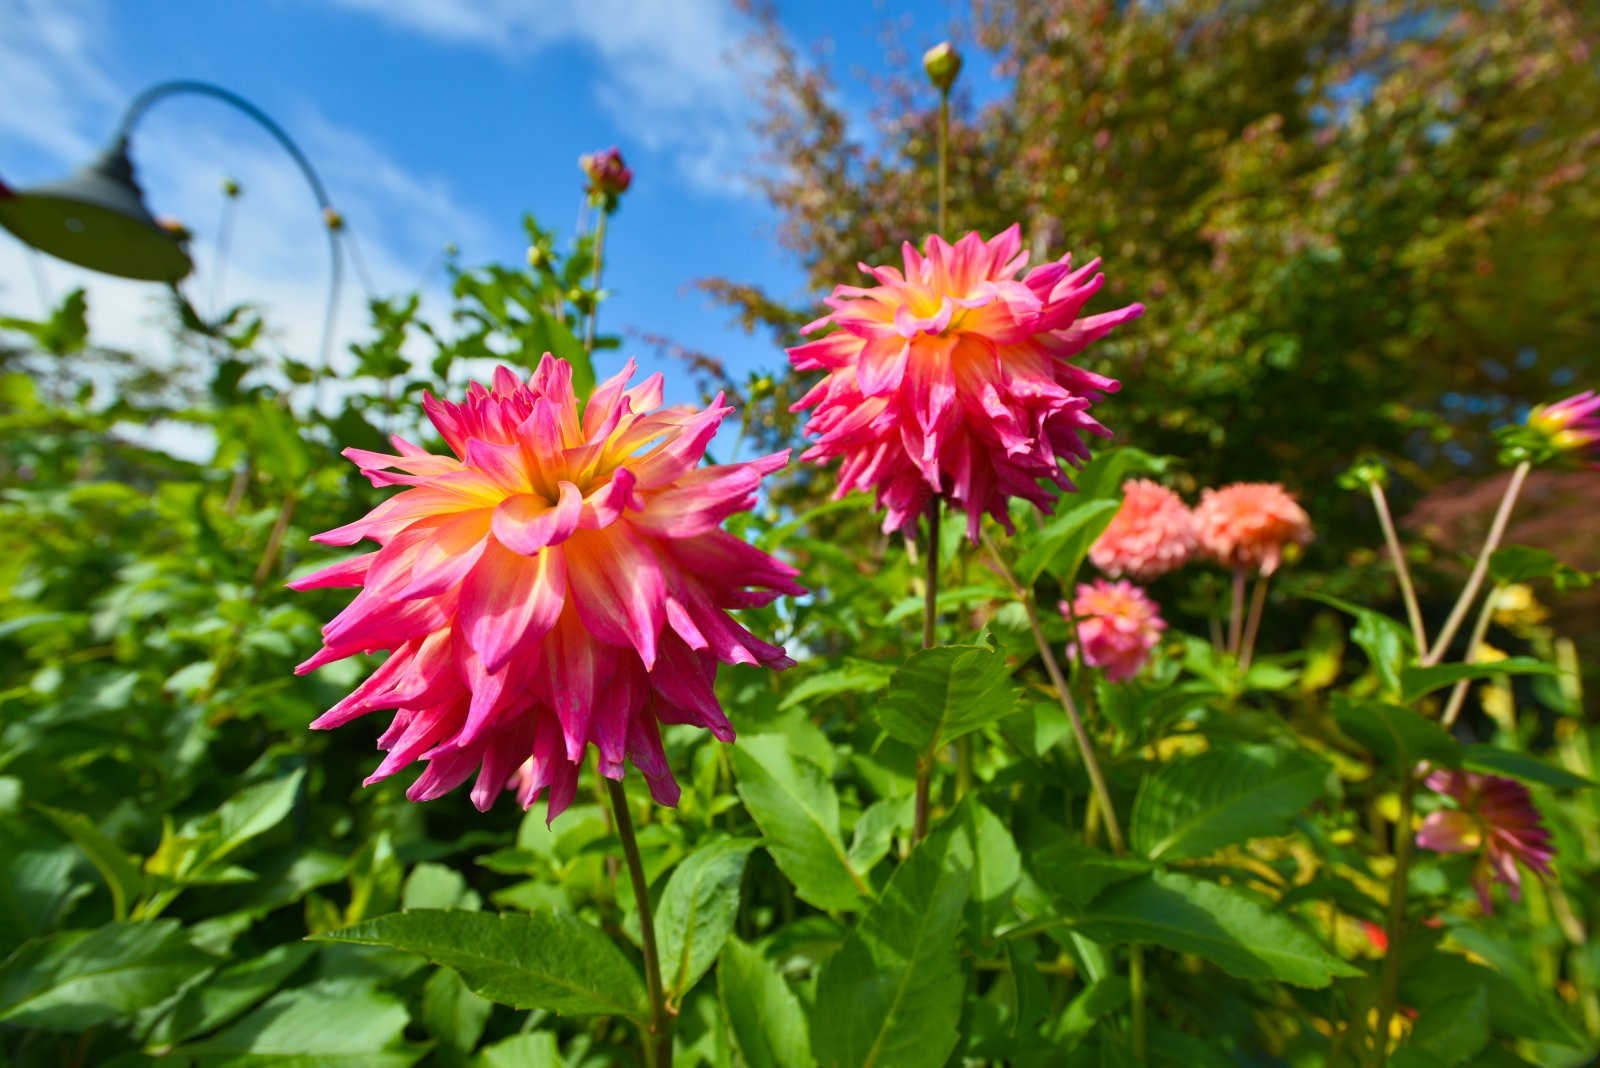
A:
[97, 217]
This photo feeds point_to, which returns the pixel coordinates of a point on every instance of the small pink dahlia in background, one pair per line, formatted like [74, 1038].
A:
[1247, 524]
[1571, 425]
[1151, 534]
[1118, 625]
[1494, 817]
[953, 379]
[558, 581]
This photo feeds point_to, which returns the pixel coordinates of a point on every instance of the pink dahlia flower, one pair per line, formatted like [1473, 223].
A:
[559, 580]
[1495, 818]
[608, 175]
[954, 379]
[1118, 625]
[1151, 534]
[1571, 425]
[1247, 524]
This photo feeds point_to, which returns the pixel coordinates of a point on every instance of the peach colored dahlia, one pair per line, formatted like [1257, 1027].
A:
[1151, 534]
[1494, 817]
[1118, 626]
[954, 379]
[559, 580]
[1247, 525]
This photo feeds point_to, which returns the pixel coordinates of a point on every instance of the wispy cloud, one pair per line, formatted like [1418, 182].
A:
[674, 74]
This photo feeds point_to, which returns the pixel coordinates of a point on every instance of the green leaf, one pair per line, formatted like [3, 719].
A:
[1061, 544]
[797, 810]
[1398, 736]
[537, 1050]
[1076, 873]
[1415, 682]
[1386, 642]
[1496, 761]
[340, 1023]
[697, 911]
[225, 995]
[1522, 563]
[768, 1024]
[875, 829]
[856, 676]
[527, 961]
[451, 1012]
[1452, 1028]
[996, 866]
[892, 993]
[1227, 795]
[1228, 927]
[943, 693]
[121, 874]
[78, 979]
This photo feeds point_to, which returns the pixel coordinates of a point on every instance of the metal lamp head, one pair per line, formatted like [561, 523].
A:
[97, 219]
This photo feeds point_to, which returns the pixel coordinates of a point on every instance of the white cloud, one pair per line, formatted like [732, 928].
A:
[674, 74]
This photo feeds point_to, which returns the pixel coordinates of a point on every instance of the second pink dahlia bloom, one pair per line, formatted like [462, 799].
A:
[954, 379]
[1571, 425]
[558, 581]
[1118, 626]
[1494, 817]
[1151, 534]
[1248, 524]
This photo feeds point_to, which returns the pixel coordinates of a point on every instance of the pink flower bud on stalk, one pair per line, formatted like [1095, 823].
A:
[1151, 534]
[955, 379]
[1118, 626]
[558, 581]
[1495, 818]
[943, 64]
[608, 176]
[1570, 426]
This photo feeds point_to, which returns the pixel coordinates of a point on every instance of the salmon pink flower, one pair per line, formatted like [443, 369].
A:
[1571, 425]
[1151, 534]
[1247, 524]
[558, 580]
[1118, 625]
[953, 380]
[1494, 817]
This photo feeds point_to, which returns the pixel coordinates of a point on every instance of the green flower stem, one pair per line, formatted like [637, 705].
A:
[944, 159]
[930, 616]
[1252, 625]
[658, 1032]
[1236, 611]
[1480, 567]
[594, 283]
[1480, 627]
[1402, 573]
[1394, 928]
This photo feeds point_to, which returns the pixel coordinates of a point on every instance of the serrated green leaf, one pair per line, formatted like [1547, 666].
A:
[943, 693]
[451, 1012]
[1497, 761]
[336, 1022]
[1076, 873]
[1522, 563]
[875, 830]
[1398, 736]
[1386, 642]
[231, 991]
[538, 1050]
[1228, 927]
[996, 866]
[892, 993]
[77, 979]
[1227, 795]
[697, 911]
[122, 875]
[856, 676]
[768, 1024]
[797, 810]
[1061, 544]
[527, 961]
[1416, 682]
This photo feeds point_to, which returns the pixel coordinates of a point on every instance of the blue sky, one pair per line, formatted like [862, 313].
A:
[431, 121]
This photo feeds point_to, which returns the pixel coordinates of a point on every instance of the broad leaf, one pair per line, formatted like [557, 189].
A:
[1195, 807]
[1398, 736]
[1386, 642]
[697, 911]
[943, 693]
[768, 1024]
[1228, 927]
[78, 979]
[527, 961]
[121, 874]
[1416, 682]
[1076, 873]
[231, 991]
[1497, 761]
[797, 810]
[340, 1023]
[451, 1012]
[856, 676]
[892, 993]
[1060, 546]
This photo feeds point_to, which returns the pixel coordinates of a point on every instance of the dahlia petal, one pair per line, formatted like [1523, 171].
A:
[349, 572]
[526, 523]
[618, 590]
[511, 600]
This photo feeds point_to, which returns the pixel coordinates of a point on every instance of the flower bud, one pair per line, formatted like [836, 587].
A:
[538, 256]
[333, 219]
[230, 188]
[943, 63]
[609, 177]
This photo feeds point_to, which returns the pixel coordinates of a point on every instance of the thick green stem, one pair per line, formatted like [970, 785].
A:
[1402, 573]
[944, 159]
[594, 283]
[658, 1032]
[1480, 567]
[1389, 983]
[930, 617]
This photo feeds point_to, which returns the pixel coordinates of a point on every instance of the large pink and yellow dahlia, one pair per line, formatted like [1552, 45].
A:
[1151, 534]
[954, 379]
[558, 581]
